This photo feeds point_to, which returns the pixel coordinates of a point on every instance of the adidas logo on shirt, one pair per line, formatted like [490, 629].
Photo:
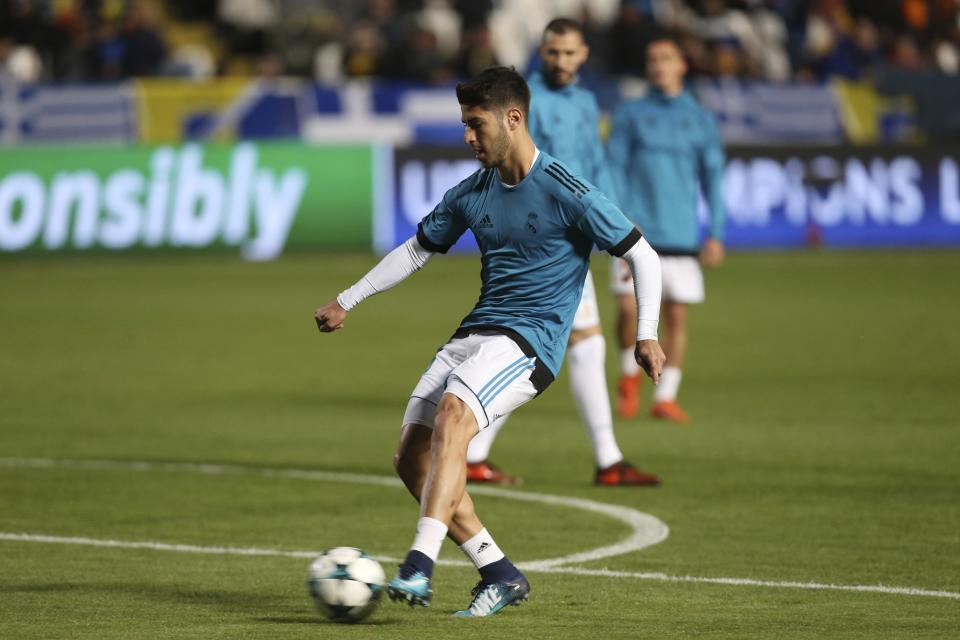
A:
[485, 222]
[483, 547]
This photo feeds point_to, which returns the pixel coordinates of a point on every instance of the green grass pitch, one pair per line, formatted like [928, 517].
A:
[825, 449]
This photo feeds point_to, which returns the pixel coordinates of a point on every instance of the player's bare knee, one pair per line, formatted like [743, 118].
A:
[582, 334]
[450, 433]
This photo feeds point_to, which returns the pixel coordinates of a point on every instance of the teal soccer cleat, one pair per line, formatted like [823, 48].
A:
[414, 590]
[490, 598]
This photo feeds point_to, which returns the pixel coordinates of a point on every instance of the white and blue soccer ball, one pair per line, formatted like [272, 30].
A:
[346, 584]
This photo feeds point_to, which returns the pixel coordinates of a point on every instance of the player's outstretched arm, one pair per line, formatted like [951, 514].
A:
[645, 266]
[395, 267]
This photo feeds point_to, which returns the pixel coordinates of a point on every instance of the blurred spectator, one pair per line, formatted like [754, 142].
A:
[473, 13]
[728, 59]
[477, 52]
[418, 58]
[434, 40]
[770, 56]
[364, 50]
[442, 21]
[247, 24]
[946, 55]
[106, 52]
[632, 31]
[145, 51]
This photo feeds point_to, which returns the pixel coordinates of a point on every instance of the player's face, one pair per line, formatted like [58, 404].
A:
[562, 55]
[665, 66]
[486, 133]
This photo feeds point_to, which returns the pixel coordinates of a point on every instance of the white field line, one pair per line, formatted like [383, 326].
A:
[603, 573]
[646, 530]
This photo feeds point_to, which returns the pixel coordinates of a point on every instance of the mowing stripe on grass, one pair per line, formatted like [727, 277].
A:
[603, 573]
[646, 529]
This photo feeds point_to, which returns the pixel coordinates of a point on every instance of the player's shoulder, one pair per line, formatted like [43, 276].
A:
[539, 91]
[704, 116]
[563, 184]
[470, 187]
[587, 100]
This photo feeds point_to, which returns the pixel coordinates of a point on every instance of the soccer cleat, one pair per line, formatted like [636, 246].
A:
[490, 598]
[671, 411]
[624, 474]
[413, 590]
[628, 397]
[489, 473]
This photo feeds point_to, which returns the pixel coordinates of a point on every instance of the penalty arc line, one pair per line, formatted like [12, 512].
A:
[579, 571]
[646, 529]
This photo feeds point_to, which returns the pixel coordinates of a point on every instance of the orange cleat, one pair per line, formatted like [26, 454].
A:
[624, 474]
[671, 411]
[488, 473]
[628, 401]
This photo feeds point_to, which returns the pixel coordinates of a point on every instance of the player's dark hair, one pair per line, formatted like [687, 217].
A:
[496, 88]
[561, 26]
[666, 36]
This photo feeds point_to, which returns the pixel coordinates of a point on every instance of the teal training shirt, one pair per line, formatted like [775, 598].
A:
[535, 241]
[565, 122]
[661, 150]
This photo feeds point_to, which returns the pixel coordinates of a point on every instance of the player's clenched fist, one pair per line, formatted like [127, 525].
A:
[650, 357]
[330, 316]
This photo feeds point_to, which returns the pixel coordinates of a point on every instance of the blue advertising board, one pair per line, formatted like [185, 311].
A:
[775, 197]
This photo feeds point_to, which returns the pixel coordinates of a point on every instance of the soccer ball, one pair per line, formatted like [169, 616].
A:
[346, 584]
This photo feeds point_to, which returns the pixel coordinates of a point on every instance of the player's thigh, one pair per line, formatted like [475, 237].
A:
[682, 279]
[587, 315]
[422, 406]
[495, 380]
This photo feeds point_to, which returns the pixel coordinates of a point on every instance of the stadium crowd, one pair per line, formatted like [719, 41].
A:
[437, 41]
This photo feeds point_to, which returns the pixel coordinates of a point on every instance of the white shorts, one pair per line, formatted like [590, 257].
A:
[682, 279]
[487, 370]
[587, 314]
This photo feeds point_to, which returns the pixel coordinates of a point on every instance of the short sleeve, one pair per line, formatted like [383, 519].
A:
[606, 225]
[442, 227]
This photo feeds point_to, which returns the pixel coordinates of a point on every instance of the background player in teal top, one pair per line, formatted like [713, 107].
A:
[565, 122]
[536, 224]
[663, 149]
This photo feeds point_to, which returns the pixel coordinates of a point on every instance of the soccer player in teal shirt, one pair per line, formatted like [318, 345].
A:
[565, 122]
[536, 223]
[662, 149]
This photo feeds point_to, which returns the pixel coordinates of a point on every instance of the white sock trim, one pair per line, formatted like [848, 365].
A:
[429, 538]
[479, 448]
[481, 549]
[588, 382]
[669, 384]
[628, 363]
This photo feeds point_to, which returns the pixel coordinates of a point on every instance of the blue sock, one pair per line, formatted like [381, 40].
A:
[499, 571]
[416, 561]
